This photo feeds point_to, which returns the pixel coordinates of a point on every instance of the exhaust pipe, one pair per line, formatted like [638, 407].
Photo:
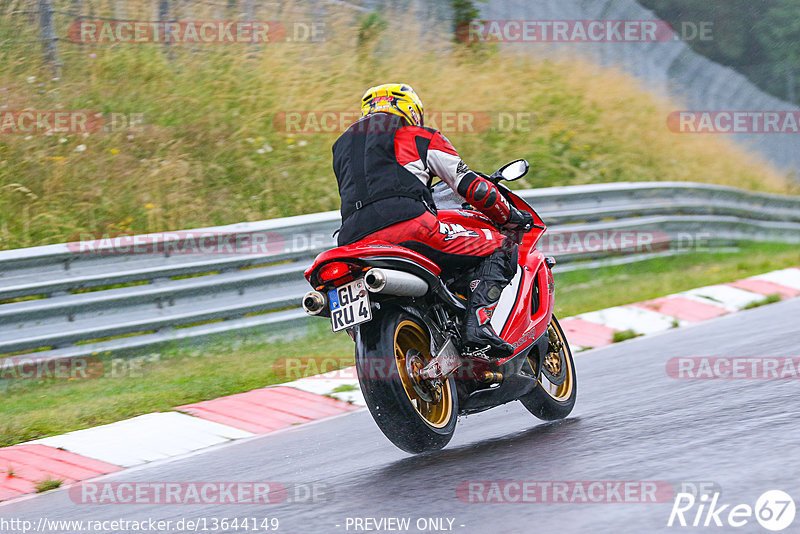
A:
[314, 303]
[396, 283]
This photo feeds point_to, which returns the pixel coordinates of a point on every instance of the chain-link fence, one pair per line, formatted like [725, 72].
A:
[50, 28]
[782, 80]
[670, 68]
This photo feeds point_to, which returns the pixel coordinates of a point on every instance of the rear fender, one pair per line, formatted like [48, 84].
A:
[375, 254]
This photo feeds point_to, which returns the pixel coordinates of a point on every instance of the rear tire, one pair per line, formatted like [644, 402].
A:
[553, 400]
[385, 348]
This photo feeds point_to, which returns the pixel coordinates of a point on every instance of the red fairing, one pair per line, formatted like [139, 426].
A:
[467, 218]
[519, 325]
[531, 238]
[371, 249]
[523, 327]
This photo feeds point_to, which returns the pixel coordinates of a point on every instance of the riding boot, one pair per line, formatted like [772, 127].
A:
[493, 275]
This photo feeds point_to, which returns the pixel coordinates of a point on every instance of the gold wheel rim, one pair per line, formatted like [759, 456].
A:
[410, 336]
[554, 360]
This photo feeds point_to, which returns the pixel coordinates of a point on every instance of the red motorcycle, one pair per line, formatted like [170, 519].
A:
[405, 315]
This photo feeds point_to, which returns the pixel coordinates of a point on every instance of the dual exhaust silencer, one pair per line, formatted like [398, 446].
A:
[379, 281]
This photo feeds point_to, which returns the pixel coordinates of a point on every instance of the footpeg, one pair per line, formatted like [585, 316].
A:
[479, 354]
[482, 354]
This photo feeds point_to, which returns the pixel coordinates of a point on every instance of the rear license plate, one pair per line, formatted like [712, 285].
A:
[349, 305]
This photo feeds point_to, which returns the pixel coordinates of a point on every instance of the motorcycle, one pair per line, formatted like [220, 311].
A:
[404, 315]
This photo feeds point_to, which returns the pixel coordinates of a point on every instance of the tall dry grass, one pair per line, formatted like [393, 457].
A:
[208, 152]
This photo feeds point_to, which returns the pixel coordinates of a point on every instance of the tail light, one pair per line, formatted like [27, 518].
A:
[334, 271]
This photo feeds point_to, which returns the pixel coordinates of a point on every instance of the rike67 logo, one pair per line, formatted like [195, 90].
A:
[774, 510]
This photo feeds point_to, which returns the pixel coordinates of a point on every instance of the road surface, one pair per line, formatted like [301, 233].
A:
[632, 422]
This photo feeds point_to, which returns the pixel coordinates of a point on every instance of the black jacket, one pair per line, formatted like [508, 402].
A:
[377, 191]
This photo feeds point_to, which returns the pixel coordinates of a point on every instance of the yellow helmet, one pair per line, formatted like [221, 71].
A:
[396, 98]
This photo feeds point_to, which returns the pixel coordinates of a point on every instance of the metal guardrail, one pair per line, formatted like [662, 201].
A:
[130, 294]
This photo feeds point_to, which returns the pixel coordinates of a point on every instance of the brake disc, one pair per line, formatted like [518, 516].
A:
[554, 366]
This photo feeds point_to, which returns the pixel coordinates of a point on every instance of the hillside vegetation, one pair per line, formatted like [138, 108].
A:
[212, 148]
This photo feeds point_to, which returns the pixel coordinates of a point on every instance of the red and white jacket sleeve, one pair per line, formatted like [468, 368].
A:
[444, 162]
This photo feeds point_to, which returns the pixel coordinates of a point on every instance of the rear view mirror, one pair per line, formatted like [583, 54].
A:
[514, 170]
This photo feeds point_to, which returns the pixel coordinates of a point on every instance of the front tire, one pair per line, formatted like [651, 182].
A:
[388, 351]
[554, 396]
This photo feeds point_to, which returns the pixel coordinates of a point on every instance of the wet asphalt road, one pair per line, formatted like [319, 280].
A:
[632, 423]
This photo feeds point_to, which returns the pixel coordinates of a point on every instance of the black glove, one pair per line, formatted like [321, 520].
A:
[519, 220]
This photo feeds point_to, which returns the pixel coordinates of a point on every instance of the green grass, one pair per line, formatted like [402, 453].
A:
[770, 299]
[47, 485]
[596, 289]
[33, 410]
[212, 151]
[344, 388]
[625, 335]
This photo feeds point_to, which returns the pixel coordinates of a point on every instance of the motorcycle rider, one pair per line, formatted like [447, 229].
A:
[385, 163]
